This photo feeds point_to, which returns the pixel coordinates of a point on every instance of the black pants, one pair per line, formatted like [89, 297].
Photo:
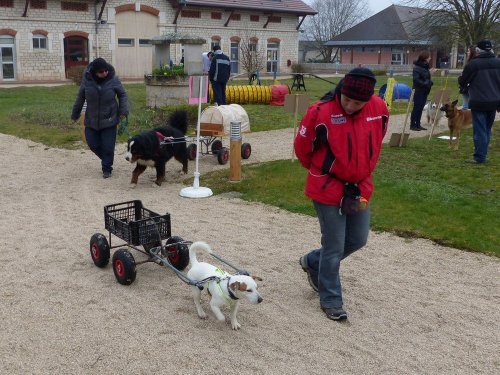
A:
[219, 89]
[419, 100]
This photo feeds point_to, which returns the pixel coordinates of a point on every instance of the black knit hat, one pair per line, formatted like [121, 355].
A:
[99, 64]
[359, 84]
[484, 45]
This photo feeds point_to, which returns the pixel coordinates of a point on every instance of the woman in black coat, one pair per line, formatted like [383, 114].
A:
[101, 88]
[422, 84]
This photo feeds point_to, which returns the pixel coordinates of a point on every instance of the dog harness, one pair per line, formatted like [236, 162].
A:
[162, 138]
[219, 287]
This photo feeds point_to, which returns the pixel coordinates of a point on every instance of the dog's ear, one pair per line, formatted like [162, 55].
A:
[454, 103]
[256, 278]
[235, 285]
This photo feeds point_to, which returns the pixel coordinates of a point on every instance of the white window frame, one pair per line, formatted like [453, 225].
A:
[40, 39]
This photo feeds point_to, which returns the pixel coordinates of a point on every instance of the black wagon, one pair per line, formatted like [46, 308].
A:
[142, 230]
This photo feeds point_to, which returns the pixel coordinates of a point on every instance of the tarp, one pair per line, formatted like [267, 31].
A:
[224, 114]
[278, 93]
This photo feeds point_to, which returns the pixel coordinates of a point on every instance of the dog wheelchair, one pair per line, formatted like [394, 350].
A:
[211, 144]
[137, 226]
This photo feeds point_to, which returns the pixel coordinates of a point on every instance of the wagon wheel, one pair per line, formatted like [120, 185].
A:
[99, 249]
[191, 151]
[216, 146]
[177, 252]
[124, 267]
[223, 155]
[246, 150]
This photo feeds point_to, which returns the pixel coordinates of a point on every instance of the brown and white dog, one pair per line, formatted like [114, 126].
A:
[457, 120]
[224, 288]
[155, 147]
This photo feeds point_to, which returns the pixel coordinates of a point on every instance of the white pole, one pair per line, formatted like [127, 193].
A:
[196, 191]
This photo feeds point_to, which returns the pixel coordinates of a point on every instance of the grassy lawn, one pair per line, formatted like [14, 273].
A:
[423, 190]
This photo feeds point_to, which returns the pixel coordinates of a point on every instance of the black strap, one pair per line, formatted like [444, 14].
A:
[229, 290]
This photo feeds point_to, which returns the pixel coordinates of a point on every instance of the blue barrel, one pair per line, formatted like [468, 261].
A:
[399, 92]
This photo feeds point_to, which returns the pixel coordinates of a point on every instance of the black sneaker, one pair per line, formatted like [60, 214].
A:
[421, 128]
[106, 174]
[312, 282]
[415, 129]
[334, 313]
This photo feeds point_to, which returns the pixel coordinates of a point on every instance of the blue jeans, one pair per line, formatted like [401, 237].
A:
[482, 122]
[341, 235]
[219, 89]
[102, 143]
[465, 101]
[419, 100]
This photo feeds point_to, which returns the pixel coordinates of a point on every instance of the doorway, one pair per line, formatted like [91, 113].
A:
[76, 52]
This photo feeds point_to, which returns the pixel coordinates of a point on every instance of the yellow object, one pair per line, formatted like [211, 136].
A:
[389, 91]
[246, 94]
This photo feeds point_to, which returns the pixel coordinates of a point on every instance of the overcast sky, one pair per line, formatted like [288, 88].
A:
[378, 5]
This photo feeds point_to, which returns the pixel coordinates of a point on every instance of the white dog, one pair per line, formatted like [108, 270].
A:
[431, 109]
[223, 287]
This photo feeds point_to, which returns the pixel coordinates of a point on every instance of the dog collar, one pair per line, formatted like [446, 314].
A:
[229, 290]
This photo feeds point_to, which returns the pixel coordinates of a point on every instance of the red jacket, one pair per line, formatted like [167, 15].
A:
[354, 143]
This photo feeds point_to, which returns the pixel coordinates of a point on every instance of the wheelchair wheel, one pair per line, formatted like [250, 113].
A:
[191, 151]
[99, 250]
[223, 155]
[124, 267]
[177, 252]
[216, 146]
[246, 150]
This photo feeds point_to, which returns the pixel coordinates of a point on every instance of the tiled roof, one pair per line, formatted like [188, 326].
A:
[283, 6]
[393, 25]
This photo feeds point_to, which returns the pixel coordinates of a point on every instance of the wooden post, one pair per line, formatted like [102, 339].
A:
[235, 152]
[406, 118]
[295, 122]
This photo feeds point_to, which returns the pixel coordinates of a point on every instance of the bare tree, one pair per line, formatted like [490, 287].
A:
[466, 21]
[333, 18]
[252, 57]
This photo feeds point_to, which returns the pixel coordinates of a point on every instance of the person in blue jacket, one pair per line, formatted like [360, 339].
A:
[220, 70]
[106, 105]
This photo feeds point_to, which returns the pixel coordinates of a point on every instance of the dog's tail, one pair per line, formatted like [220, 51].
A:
[179, 120]
[198, 246]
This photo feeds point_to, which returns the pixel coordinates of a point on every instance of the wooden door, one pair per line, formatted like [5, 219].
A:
[134, 53]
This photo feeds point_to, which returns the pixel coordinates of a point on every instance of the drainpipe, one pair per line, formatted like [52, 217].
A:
[96, 30]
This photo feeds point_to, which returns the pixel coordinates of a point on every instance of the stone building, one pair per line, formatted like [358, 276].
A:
[41, 39]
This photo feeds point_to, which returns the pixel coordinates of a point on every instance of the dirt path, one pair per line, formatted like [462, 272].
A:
[414, 307]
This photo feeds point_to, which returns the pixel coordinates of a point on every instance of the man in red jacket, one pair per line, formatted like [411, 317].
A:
[339, 142]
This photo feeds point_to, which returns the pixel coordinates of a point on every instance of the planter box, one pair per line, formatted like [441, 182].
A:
[163, 90]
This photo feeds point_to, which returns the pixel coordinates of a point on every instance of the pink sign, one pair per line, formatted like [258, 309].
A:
[194, 89]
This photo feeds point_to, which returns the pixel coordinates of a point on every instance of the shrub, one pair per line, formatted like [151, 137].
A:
[167, 71]
[380, 72]
[299, 68]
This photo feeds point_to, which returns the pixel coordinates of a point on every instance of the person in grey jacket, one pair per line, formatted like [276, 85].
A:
[482, 75]
[106, 105]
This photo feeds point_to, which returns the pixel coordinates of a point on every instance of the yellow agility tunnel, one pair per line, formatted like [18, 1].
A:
[249, 94]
